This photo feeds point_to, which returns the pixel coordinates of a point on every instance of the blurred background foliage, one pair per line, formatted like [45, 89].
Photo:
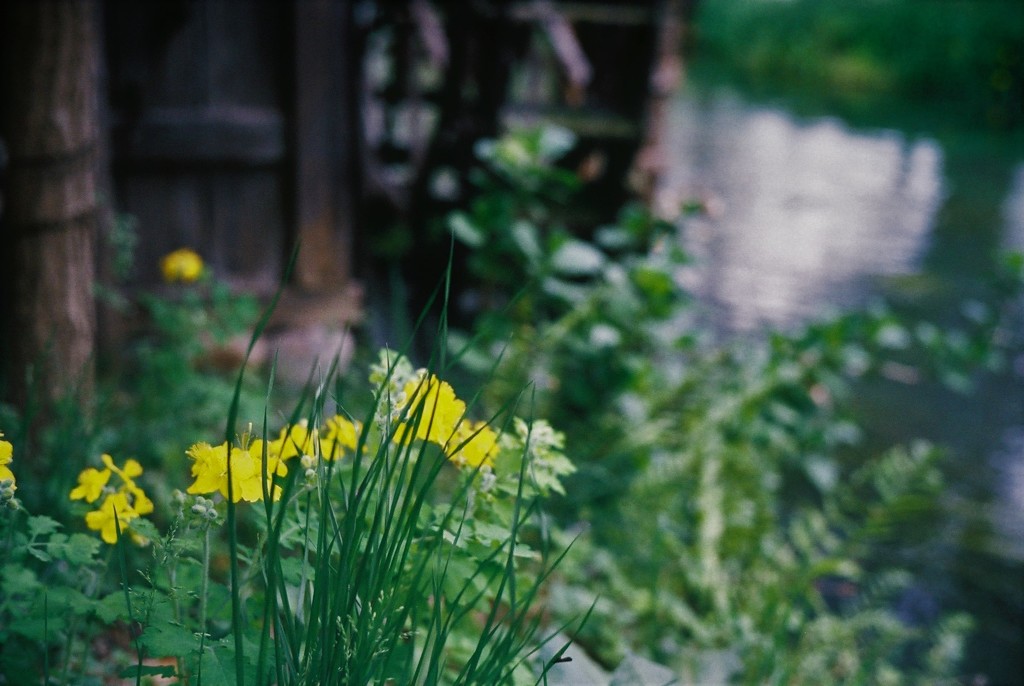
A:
[728, 520]
[960, 55]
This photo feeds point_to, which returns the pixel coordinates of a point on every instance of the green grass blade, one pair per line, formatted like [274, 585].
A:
[229, 434]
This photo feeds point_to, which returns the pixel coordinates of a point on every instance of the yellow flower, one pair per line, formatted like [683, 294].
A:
[140, 502]
[247, 474]
[103, 519]
[91, 483]
[439, 417]
[131, 468]
[184, 265]
[340, 434]
[6, 455]
[474, 444]
[433, 409]
[297, 439]
[210, 469]
[128, 500]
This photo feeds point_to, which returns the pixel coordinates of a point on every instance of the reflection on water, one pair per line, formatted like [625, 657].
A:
[807, 215]
[802, 212]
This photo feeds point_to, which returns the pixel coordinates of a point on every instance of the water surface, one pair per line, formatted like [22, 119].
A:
[810, 214]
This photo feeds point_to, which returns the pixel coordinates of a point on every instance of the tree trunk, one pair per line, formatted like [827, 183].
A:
[49, 123]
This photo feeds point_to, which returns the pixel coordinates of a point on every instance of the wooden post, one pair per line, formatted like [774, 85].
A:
[324, 145]
[49, 123]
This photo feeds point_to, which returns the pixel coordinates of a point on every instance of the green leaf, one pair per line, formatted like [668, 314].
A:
[892, 336]
[577, 258]
[41, 525]
[570, 293]
[555, 141]
[654, 282]
[36, 627]
[465, 231]
[612, 238]
[848, 569]
[604, 336]
[145, 528]
[218, 665]
[462, 572]
[526, 238]
[111, 608]
[62, 600]
[39, 554]
[80, 549]
[823, 472]
[490, 534]
[291, 570]
[17, 580]
[169, 640]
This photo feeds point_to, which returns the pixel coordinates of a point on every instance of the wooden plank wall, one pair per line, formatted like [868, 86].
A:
[229, 135]
[237, 127]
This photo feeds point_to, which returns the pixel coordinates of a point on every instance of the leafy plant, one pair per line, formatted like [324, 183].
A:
[399, 547]
[395, 548]
[729, 533]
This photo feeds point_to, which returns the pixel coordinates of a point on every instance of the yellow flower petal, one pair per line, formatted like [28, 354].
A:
[474, 444]
[297, 439]
[434, 410]
[6, 456]
[91, 482]
[115, 511]
[130, 470]
[210, 469]
[340, 434]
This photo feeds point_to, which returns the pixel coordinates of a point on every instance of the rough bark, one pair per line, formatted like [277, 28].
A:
[49, 123]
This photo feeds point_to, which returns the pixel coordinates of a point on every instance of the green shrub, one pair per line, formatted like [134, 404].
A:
[726, 529]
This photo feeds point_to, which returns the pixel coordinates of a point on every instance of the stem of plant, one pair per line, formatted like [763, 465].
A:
[205, 583]
[69, 645]
[89, 590]
[172, 580]
[301, 603]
